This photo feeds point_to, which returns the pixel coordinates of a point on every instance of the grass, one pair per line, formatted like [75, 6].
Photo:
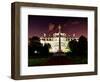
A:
[36, 61]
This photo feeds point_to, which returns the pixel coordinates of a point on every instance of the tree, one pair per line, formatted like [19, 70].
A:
[82, 44]
[46, 48]
[79, 50]
[73, 45]
[35, 47]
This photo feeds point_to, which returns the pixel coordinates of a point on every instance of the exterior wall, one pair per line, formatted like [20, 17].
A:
[54, 42]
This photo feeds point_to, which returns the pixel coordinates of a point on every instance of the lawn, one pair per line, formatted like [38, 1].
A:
[37, 61]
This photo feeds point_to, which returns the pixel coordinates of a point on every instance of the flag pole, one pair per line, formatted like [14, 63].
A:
[59, 27]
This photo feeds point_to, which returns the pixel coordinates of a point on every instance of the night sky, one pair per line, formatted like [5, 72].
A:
[37, 25]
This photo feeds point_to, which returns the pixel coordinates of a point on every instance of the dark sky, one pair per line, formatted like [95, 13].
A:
[37, 25]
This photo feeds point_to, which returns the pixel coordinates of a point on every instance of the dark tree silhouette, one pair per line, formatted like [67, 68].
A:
[35, 47]
[79, 49]
[34, 39]
[82, 44]
[46, 48]
[73, 45]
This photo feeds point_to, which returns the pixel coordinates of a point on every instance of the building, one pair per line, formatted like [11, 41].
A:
[58, 41]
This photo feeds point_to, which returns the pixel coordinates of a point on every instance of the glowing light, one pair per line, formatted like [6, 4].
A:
[55, 42]
[35, 52]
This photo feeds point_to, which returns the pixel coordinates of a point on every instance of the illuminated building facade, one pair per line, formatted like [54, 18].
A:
[58, 41]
